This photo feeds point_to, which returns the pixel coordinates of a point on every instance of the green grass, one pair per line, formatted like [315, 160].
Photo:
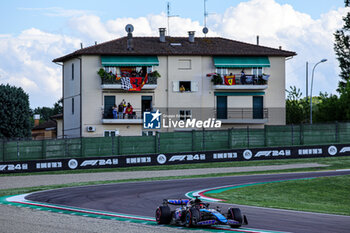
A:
[333, 162]
[323, 195]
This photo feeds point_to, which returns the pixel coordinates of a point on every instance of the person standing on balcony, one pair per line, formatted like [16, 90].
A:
[115, 111]
[243, 77]
[129, 111]
[120, 110]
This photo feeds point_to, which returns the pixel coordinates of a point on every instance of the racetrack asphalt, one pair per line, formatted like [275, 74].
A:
[7, 182]
[142, 198]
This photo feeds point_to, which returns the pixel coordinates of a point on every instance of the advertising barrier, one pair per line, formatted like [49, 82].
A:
[250, 154]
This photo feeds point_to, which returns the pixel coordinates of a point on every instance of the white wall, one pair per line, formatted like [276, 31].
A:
[274, 98]
[173, 68]
[71, 90]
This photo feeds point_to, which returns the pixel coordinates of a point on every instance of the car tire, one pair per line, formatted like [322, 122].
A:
[235, 214]
[192, 217]
[163, 215]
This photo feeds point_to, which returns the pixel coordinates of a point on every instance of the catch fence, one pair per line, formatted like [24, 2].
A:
[173, 142]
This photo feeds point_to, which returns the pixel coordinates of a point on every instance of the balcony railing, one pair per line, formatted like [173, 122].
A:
[150, 80]
[238, 81]
[122, 118]
[242, 115]
[150, 84]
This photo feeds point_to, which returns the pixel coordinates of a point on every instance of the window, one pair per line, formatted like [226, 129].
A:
[257, 71]
[185, 114]
[148, 133]
[184, 86]
[111, 69]
[111, 133]
[72, 106]
[258, 107]
[184, 64]
[222, 71]
[73, 71]
[149, 69]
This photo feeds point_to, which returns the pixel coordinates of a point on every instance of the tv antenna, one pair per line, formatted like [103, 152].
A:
[205, 29]
[169, 16]
[129, 28]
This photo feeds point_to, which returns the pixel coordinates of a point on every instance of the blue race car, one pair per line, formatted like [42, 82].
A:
[194, 212]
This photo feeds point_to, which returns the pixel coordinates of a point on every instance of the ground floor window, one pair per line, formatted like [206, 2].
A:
[111, 133]
[185, 114]
[148, 133]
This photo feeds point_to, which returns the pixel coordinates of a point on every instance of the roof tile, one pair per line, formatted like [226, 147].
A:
[203, 46]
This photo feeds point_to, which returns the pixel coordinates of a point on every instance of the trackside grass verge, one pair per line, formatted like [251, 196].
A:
[332, 162]
[323, 195]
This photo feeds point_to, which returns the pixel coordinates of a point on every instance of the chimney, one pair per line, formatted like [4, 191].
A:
[130, 46]
[191, 36]
[280, 47]
[36, 119]
[162, 34]
[81, 45]
[257, 40]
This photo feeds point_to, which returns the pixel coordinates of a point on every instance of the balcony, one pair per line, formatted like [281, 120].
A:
[114, 84]
[135, 118]
[239, 82]
[242, 115]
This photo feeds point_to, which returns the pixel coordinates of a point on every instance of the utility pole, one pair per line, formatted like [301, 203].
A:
[307, 81]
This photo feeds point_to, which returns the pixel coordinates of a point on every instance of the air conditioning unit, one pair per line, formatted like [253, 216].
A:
[91, 128]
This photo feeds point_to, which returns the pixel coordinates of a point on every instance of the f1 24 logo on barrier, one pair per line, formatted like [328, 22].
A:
[151, 120]
[187, 157]
[248, 154]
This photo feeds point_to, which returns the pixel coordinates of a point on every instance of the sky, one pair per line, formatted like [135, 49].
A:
[33, 33]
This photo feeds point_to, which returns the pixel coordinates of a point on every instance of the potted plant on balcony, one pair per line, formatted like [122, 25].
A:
[153, 76]
[107, 78]
[216, 79]
[262, 79]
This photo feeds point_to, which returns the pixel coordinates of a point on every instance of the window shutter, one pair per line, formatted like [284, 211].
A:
[176, 86]
[194, 86]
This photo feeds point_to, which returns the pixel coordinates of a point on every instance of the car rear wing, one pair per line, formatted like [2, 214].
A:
[176, 201]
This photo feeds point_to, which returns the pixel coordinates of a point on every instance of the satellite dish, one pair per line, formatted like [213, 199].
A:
[205, 30]
[129, 28]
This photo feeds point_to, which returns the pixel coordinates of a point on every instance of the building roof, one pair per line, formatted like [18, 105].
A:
[46, 125]
[202, 46]
[57, 116]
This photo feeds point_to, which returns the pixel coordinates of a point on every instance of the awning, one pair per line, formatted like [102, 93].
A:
[241, 62]
[129, 61]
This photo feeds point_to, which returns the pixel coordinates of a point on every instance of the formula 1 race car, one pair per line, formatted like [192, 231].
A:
[194, 212]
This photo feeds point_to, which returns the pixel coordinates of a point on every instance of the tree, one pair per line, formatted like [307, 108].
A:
[14, 112]
[296, 108]
[328, 109]
[342, 48]
[46, 112]
[344, 101]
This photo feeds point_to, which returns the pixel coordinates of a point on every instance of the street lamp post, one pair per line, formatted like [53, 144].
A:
[312, 80]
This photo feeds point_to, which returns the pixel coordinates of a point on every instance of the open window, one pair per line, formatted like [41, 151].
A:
[185, 86]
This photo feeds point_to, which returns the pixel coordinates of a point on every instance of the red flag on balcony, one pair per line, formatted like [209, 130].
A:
[145, 80]
[136, 83]
[230, 80]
